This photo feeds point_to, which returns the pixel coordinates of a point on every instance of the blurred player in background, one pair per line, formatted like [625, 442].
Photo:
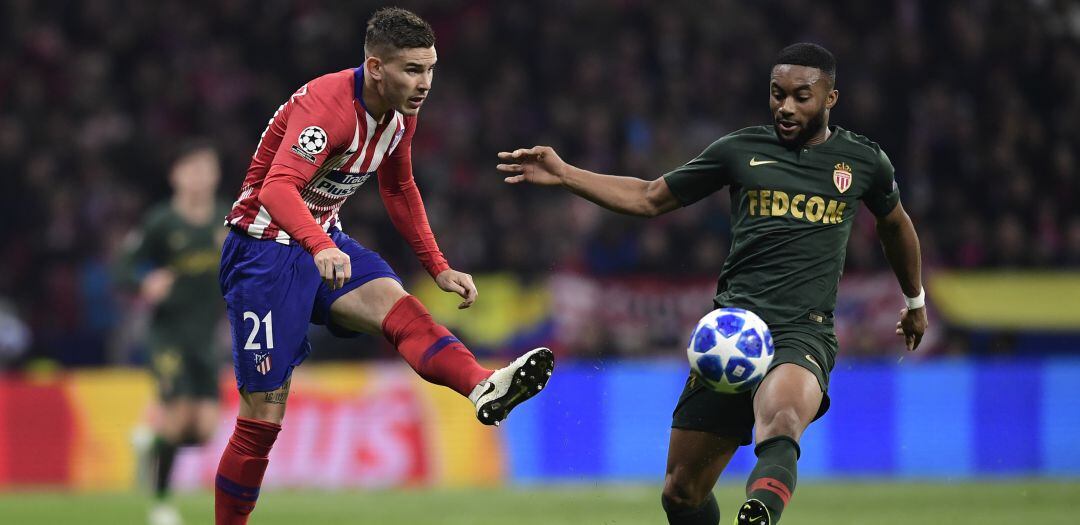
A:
[286, 261]
[173, 262]
[795, 188]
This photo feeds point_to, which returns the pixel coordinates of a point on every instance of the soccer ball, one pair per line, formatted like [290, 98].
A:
[730, 350]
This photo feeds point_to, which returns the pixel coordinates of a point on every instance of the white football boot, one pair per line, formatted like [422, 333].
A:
[164, 514]
[509, 386]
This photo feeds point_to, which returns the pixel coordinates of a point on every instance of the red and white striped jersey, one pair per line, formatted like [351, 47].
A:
[324, 135]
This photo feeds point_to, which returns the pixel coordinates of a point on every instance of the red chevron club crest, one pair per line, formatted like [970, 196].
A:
[262, 363]
[841, 176]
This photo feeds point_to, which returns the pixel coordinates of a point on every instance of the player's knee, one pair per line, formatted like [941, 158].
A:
[394, 297]
[781, 422]
[264, 406]
[365, 308]
[273, 415]
[681, 495]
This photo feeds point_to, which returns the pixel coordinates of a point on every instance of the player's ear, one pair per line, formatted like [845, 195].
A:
[373, 66]
[831, 98]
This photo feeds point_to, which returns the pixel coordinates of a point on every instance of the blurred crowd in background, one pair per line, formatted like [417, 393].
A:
[974, 102]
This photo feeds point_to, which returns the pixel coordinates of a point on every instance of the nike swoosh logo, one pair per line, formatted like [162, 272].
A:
[755, 518]
[755, 162]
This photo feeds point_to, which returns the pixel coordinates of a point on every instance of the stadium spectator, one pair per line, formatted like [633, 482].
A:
[90, 103]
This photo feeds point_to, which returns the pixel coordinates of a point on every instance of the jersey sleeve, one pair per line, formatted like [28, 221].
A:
[151, 245]
[144, 249]
[401, 197]
[883, 194]
[315, 128]
[702, 176]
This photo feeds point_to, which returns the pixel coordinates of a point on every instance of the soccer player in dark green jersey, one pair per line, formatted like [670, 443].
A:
[173, 262]
[795, 187]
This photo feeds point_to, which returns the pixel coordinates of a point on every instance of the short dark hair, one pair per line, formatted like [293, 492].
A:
[188, 147]
[397, 28]
[809, 55]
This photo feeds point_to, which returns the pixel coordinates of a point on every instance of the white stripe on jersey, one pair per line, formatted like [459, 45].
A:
[384, 143]
[283, 237]
[244, 194]
[369, 131]
[356, 133]
[258, 226]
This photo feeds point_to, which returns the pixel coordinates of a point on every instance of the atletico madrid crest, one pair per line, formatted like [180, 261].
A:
[262, 363]
[841, 176]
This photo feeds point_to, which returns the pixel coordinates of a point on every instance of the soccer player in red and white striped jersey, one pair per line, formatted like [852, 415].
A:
[324, 143]
[286, 262]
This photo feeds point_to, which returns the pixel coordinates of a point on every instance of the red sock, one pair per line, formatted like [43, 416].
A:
[430, 348]
[241, 469]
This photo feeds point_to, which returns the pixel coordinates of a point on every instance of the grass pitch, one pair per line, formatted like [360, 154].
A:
[857, 503]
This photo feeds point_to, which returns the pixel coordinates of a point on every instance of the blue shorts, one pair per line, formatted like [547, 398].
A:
[272, 293]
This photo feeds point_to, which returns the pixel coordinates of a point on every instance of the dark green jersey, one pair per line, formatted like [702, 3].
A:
[194, 305]
[792, 211]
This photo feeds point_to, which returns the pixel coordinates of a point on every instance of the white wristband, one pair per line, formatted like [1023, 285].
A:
[914, 303]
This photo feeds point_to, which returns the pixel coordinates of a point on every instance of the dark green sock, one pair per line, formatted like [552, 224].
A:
[773, 479]
[164, 454]
[707, 514]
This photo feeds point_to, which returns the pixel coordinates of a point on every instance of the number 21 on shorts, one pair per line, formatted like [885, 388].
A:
[268, 327]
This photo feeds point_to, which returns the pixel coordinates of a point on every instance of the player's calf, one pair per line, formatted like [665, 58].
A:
[771, 483]
[240, 472]
[687, 497]
[680, 510]
[246, 456]
[782, 421]
[430, 349]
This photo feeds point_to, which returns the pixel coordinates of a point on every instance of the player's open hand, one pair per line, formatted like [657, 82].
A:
[912, 326]
[538, 165]
[156, 285]
[335, 267]
[460, 283]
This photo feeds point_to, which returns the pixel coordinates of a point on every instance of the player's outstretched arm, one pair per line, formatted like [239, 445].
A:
[632, 196]
[901, 245]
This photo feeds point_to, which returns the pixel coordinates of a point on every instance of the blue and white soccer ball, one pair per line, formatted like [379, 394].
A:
[731, 350]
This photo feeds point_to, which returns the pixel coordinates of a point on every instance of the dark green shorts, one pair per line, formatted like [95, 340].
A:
[700, 408]
[184, 367]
